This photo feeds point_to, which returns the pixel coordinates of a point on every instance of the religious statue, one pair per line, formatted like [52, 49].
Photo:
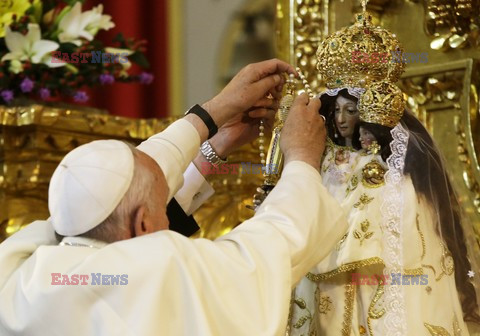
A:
[401, 268]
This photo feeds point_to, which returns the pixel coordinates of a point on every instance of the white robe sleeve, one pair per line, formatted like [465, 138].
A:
[173, 150]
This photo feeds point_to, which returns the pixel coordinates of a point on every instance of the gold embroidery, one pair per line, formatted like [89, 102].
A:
[354, 265]
[422, 238]
[436, 330]
[362, 330]
[301, 321]
[333, 145]
[348, 314]
[323, 301]
[301, 303]
[364, 200]
[366, 234]
[413, 271]
[372, 313]
[456, 327]
[430, 267]
[447, 263]
[353, 184]
[441, 331]
[339, 244]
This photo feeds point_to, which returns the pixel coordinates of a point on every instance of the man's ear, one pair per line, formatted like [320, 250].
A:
[142, 223]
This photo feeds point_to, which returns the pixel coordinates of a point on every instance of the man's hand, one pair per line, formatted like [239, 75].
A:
[303, 136]
[243, 128]
[249, 88]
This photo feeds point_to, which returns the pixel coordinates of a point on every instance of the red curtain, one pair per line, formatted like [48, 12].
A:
[143, 20]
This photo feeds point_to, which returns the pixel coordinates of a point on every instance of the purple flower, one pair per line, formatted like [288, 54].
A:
[44, 93]
[106, 79]
[145, 78]
[7, 95]
[81, 97]
[26, 85]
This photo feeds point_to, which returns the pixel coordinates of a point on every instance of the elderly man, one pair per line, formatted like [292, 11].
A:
[120, 271]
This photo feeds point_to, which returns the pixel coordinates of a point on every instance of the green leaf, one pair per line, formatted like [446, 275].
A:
[119, 38]
[72, 2]
[61, 15]
[140, 59]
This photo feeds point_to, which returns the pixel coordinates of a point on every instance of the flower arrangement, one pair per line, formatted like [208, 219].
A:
[48, 49]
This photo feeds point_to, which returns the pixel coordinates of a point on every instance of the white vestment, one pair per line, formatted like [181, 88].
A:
[344, 294]
[164, 283]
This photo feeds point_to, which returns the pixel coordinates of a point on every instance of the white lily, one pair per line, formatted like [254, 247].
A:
[29, 47]
[76, 25]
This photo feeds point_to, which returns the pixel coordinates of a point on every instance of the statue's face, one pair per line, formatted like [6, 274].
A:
[366, 137]
[346, 116]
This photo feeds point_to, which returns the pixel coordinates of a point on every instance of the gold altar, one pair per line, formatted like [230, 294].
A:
[443, 92]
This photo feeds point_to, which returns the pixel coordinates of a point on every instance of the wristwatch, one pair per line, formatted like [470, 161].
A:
[206, 118]
[210, 154]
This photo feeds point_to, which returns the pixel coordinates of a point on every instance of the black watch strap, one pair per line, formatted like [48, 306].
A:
[207, 119]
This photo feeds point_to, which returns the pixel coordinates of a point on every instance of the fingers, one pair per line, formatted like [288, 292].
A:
[301, 100]
[315, 104]
[262, 113]
[273, 66]
[266, 85]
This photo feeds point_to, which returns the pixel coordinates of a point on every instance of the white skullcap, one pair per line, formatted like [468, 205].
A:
[88, 184]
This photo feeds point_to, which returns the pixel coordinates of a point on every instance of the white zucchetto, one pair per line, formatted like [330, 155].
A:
[88, 184]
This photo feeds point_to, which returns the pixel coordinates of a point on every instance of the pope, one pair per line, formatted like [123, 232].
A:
[107, 202]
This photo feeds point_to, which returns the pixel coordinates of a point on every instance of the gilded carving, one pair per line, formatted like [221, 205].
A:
[452, 24]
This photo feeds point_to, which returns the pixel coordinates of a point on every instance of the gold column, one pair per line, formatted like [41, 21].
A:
[301, 25]
[175, 55]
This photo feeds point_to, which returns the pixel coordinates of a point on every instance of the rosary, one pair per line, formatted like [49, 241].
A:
[272, 161]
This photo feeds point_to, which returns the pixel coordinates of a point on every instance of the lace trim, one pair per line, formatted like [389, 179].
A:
[353, 91]
[395, 323]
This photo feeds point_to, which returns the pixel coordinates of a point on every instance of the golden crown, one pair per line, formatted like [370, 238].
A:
[382, 103]
[356, 55]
